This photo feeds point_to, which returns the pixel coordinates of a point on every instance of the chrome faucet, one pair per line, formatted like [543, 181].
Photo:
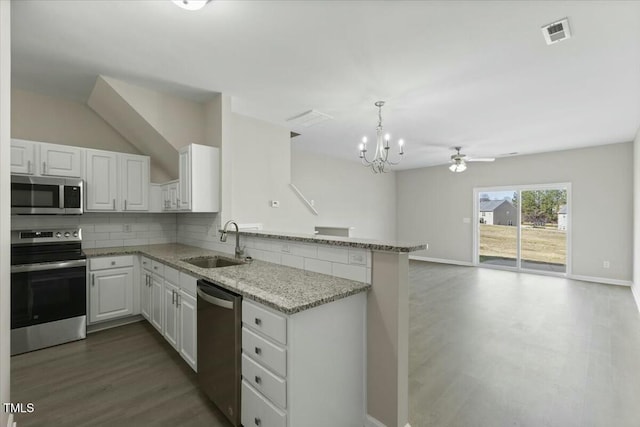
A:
[223, 237]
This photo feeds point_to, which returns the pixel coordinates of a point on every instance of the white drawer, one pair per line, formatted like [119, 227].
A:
[270, 385]
[258, 411]
[111, 262]
[145, 263]
[157, 267]
[270, 355]
[188, 283]
[171, 275]
[271, 324]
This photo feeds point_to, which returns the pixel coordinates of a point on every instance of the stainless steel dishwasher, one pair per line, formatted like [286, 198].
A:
[219, 347]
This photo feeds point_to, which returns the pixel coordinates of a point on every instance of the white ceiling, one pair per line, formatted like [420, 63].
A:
[476, 74]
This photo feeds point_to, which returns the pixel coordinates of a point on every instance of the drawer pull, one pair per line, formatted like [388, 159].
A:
[257, 421]
[258, 380]
[258, 350]
[113, 263]
[155, 267]
[258, 321]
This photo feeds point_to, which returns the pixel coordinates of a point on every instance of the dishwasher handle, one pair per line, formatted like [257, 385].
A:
[220, 302]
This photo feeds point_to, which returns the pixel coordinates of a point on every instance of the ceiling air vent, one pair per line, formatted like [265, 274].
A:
[558, 31]
[309, 118]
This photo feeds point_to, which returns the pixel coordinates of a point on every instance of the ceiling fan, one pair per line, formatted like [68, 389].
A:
[459, 160]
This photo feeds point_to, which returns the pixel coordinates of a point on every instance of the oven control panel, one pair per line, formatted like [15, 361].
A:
[46, 236]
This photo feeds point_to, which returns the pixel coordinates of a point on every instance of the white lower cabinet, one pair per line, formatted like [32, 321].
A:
[157, 291]
[188, 322]
[171, 318]
[305, 369]
[168, 302]
[258, 411]
[111, 288]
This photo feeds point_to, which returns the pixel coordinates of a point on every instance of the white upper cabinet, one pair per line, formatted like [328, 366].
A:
[184, 191]
[116, 182]
[23, 157]
[60, 160]
[134, 173]
[199, 183]
[41, 158]
[101, 186]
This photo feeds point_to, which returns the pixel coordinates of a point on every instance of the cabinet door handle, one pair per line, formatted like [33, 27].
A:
[44, 167]
[258, 350]
[257, 321]
[257, 421]
[114, 204]
[177, 299]
[258, 380]
[93, 280]
[173, 297]
[28, 166]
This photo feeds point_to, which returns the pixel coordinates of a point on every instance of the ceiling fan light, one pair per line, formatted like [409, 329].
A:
[190, 4]
[458, 166]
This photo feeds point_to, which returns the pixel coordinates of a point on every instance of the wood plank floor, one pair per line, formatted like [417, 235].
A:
[126, 376]
[487, 348]
[497, 348]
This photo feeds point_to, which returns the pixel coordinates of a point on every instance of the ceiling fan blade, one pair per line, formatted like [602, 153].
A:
[482, 159]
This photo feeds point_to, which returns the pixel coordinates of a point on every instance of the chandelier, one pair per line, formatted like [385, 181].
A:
[380, 162]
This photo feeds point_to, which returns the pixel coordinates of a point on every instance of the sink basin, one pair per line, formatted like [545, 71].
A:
[212, 261]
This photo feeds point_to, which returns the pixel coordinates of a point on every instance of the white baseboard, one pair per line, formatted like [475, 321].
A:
[372, 422]
[636, 297]
[441, 261]
[603, 280]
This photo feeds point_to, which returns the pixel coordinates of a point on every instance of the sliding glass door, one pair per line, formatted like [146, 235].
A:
[523, 228]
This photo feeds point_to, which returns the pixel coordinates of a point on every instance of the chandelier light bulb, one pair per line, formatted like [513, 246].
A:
[387, 137]
[401, 143]
[364, 139]
[361, 147]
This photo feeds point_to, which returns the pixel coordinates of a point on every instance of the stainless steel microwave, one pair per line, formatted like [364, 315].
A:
[31, 195]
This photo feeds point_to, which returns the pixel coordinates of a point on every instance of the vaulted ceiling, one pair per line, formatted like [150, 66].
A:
[471, 73]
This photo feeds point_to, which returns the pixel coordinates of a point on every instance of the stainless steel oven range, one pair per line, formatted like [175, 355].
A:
[48, 289]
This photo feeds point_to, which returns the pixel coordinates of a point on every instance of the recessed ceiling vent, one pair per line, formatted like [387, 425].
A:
[309, 118]
[557, 31]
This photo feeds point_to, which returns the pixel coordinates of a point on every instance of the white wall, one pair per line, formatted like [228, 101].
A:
[636, 219]
[432, 203]
[5, 195]
[62, 121]
[346, 194]
[261, 172]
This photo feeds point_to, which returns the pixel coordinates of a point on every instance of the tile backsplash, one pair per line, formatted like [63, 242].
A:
[350, 263]
[101, 230]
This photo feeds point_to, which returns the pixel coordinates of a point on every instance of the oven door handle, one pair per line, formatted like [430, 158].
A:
[48, 266]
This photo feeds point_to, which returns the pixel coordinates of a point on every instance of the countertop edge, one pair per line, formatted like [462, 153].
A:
[349, 242]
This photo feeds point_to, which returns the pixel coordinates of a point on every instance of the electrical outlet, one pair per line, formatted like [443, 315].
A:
[275, 204]
[285, 248]
[358, 259]
[606, 264]
[426, 247]
[127, 228]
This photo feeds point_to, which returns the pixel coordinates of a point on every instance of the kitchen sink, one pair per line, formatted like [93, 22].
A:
[212, 261]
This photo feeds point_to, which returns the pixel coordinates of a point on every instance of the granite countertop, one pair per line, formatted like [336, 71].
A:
[350, 242]
[286, 289]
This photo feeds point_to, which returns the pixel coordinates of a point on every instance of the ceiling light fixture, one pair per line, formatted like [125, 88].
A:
[458, 165]
[380, 162]
[191, 4]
